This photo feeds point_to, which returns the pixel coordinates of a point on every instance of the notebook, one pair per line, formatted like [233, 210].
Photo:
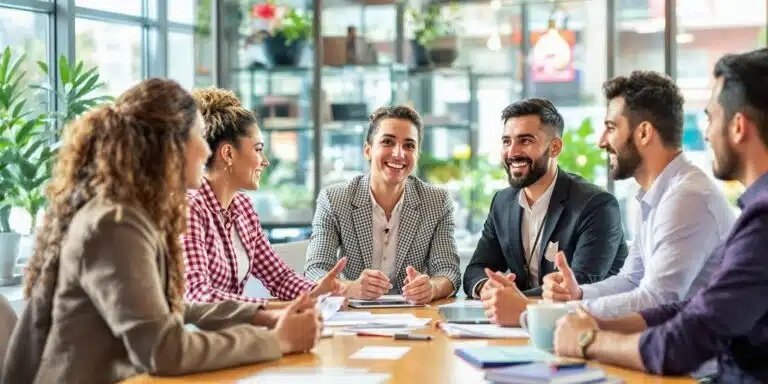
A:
[543, 373]
[490, 357]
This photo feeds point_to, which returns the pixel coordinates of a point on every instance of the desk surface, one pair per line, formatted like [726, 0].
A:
[427, 362]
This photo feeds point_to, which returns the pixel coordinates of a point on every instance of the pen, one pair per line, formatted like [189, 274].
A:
[468, 322]
[406, 336]
[372, 334]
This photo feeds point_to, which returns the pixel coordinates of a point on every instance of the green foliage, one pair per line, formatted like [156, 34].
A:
[431, 22]
[28, 140]
[581, 155]
[295, 26]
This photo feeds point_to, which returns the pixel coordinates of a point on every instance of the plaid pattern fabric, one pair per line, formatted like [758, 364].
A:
[343, 227]
[209, 255]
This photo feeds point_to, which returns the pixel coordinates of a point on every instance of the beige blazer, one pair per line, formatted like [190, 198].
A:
[109, 318]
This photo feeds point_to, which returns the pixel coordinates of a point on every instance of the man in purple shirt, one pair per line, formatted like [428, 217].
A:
[727, 319]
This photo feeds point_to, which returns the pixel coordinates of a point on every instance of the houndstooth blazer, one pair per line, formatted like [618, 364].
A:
[343, 227]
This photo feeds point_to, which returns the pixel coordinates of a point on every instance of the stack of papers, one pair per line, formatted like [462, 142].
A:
[315, 376]
[329, 305]
[483, 331]
[342, 319]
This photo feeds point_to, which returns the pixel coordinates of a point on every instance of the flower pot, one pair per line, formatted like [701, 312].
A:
[9, 250]
[419, 54]
[443, 51]
[278, 53]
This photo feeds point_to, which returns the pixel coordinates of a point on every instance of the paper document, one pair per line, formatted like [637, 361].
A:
[315, 375]
[329, 305]
[464, 304]
[367, 319]
[380, 353]
[484, 331]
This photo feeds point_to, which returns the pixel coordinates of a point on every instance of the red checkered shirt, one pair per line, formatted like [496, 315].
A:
[209, 255]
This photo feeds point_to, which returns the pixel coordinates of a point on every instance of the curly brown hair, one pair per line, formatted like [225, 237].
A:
[226, 119]
[131, 152]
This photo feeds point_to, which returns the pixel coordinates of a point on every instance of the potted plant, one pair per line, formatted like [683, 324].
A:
[284, 32]
[435, 41]
[581, 155]
[29, 140]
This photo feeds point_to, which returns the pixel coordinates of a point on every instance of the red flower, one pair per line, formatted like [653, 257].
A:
[264, 11]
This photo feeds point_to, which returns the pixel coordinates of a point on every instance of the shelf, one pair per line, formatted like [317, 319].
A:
[289, 124]
[328, 69]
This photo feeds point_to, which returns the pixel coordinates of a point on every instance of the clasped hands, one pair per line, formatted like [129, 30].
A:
[371, 284]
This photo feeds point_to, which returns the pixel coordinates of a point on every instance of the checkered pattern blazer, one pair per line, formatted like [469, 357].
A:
[343, 227]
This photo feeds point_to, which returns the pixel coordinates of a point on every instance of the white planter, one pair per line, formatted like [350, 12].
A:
[9, 250]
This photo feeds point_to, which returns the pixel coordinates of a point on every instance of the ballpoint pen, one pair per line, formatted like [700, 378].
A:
[408, 336]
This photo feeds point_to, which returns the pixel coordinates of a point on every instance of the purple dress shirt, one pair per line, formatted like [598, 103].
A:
[728, 318]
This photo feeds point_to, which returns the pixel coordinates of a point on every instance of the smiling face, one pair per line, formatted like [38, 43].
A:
[617, 140]
[527, 150]
[393, 150]
[248, 160]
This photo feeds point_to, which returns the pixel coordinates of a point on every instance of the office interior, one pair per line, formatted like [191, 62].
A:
[313, 94]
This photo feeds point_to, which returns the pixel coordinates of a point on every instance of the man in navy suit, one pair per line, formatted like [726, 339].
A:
[545, 210]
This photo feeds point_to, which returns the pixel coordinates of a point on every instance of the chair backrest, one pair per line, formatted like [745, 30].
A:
[293, 253]
[7, 323]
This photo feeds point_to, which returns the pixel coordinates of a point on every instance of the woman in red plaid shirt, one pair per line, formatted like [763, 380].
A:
[224, 243]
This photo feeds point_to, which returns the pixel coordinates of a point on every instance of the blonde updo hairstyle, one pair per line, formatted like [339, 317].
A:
[226, 120]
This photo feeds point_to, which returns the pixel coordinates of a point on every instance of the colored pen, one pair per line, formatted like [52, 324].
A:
[406, 336]
[373, 334]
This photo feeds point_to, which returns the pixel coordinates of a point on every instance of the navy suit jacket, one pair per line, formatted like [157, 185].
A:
[583, 218]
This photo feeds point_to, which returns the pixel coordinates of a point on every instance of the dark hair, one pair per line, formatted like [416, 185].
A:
[402, 112]
[226, 119]
[652, 97]
[541, 107]
[745, 87]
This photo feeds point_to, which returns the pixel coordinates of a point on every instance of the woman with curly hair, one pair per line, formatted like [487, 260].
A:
[224, 243]
[105, 285]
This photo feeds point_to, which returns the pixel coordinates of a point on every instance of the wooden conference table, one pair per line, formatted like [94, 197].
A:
[427, 362]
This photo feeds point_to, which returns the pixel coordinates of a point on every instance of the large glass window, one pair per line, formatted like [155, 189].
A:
[190, 44]
[639, 35]
[26, 33]
[128, 7]
[706, 31]
[115, 49]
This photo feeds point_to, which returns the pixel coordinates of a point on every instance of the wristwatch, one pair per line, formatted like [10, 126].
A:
[585, 340]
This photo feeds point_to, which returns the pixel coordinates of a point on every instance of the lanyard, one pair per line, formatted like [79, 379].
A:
[534, 246]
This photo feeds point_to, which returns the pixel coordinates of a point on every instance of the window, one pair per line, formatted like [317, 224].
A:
[26, 33]
[640, 35]
[115, 49]
[708, 30]
[128, 7]
[190, 47]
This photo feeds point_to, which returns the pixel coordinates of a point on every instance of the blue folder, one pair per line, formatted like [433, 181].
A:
[490, 357]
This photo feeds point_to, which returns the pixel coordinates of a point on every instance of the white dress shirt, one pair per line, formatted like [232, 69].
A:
[532, 227]
[385, 237]
[684, 216]
[243, 262]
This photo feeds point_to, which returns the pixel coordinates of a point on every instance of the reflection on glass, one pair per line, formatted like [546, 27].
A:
[707, 31]
[190, 59]
[114, 48]
[128, 7]
[26, 33]
[640, 39]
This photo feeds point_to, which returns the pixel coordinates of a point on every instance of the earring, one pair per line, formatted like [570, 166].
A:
[229, 168]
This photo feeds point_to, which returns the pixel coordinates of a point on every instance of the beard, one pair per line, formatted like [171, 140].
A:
[536, 169]
[627, 161]
[725, 165]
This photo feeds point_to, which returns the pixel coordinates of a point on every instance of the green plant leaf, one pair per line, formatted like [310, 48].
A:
[64, 70]
[43, 67]
[27, 132]
[4, 64]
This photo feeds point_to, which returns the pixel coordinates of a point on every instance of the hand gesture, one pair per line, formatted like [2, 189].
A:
[370, 285]
[418, 288]
[562, 285]
[299, 330]
[330, 282]
[502, 300]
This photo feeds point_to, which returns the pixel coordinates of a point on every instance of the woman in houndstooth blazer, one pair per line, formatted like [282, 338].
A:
[395, 230]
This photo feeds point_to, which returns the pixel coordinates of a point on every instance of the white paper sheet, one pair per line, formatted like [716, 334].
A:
[380, 353]
[329, 305]
[464, 304]
[343, 319]
[486, 331]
